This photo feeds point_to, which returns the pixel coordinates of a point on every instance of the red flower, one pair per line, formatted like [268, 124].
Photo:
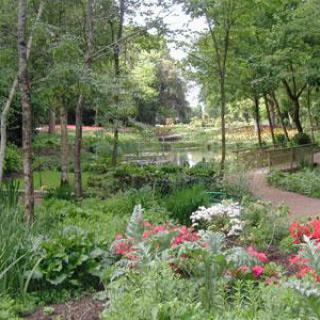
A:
[257, 271]
[122, 248]
[261, 256]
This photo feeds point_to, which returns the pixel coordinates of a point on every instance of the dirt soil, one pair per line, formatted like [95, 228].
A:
[86, 308]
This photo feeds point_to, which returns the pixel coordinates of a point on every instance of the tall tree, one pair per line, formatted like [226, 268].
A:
[26, 112]
[13, 90]
[222, 17]
[81, 101]
[116, 40]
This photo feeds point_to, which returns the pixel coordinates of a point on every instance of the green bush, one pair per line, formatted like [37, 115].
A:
[182, 203]
[13, 161]
[265, 226]
[280, 139]
[305, 181]
[70, 259]
[301, 139]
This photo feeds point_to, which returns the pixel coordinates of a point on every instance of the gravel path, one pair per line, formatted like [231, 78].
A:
[299, 205]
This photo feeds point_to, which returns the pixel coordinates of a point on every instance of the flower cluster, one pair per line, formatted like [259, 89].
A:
[261, 256]
[224, 210]
[311, 230]
[159, 238]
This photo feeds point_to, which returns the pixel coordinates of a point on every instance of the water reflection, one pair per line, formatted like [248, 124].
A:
[190, 156]
[181, 156]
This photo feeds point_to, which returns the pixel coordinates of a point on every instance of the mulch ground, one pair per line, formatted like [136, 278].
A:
[85, 308]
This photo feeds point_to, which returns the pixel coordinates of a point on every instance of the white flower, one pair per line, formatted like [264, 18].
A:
[225, 209]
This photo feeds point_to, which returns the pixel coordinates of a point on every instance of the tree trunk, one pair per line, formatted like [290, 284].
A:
[117, 72]
[115, 146]
[13, 90]
[80, 104]
[223, 126]
[277, 106]
[270, 119]
[64, 146]
[77, 148]
[52, 122]
[309, 114]
[257, 119]
[26, 113]
[296, 115]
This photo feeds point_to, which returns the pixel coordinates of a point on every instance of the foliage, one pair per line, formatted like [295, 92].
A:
[280, 139]
[164, 179]
[264, 224]
[305, 181]
[71, 258]
[13, 161]
[182, 203]
[301, 139]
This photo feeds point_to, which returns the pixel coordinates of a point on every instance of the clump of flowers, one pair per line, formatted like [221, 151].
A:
[157, 238]
[310, 229]
[307, 261]
[223, 216]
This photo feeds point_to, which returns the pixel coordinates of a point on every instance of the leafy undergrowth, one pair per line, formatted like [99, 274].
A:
[184, 259]
[305, 181]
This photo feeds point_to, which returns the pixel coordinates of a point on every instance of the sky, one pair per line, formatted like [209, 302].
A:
[177, 20]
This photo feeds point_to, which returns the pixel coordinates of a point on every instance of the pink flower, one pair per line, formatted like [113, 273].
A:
[119, 236]
[159, 229]
[147, 224]
[257, 271]
[243, 269]
[122, 248]
[261, 256]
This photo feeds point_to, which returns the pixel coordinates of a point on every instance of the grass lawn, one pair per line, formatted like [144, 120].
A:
[51, 179]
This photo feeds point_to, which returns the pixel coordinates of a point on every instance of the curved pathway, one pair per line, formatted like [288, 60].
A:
[299, 205]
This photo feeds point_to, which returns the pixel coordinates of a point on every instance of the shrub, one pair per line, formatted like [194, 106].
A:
[264, 225]
[182, 203]
[305, 181]
[301, 139]
[70, 259]
[13, 161]
[280, 139]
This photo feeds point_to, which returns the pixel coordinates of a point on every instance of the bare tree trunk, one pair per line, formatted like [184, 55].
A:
[117, 71]
[13, 90]
[270, 119]
[78, 139]
[64, 145]
[309, 114]
[257, 119]
[115, 146]
[52, 122]
[223, 126]
[277, 105]
[26, 114]
[294, 96]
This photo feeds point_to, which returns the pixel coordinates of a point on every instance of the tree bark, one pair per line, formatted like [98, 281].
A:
[117, 71]
[278, 110]
[223, 126]
[257, 119]
[267, 104]
[294, 96]
[309, 114]
[64, 145]
[81, 101]
[26, 114]
[13, 90]
[296, 115]
[115, 146]
[52, 122]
